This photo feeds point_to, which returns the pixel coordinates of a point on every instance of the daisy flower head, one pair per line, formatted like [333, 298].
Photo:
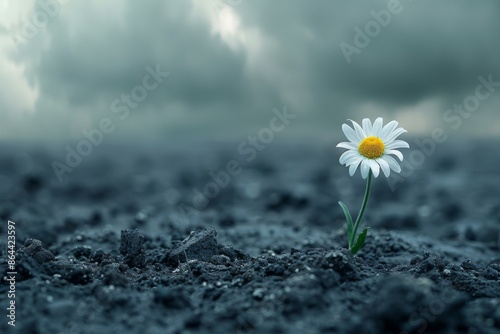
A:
[371, 147]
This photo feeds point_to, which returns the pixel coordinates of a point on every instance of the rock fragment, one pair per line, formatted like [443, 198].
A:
[132, 248]
[199, 245]
[34, 248]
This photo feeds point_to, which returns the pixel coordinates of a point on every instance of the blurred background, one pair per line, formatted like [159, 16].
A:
[67, 64]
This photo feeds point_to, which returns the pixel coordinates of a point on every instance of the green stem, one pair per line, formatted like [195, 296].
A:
[362, 211]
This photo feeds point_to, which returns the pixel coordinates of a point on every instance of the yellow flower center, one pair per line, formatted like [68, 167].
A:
[371, 147]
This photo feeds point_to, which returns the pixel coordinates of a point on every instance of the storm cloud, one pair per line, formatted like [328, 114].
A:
[64, 63]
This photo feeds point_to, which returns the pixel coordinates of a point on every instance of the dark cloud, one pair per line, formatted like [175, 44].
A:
[233, 71]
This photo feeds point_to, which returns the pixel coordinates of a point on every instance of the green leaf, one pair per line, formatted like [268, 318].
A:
[348, 217]
[361, 241]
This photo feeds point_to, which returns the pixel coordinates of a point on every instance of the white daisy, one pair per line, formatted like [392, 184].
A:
[371, 145]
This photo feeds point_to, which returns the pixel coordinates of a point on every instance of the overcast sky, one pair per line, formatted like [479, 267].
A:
[65, 67]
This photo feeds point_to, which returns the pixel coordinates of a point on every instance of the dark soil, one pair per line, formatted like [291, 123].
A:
[108, 250]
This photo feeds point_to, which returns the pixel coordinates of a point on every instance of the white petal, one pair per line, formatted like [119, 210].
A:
[387, 129]
[374, 167]
[393, 135]
[350, 134]
[377, 126]
[347, 145]
[353, 159]
[397, 144]
[346, 155]
[365, 168]
[354, 166]
[396, 153]
[392, 163]
[367, 127]
[384, 166]
[359, 131]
